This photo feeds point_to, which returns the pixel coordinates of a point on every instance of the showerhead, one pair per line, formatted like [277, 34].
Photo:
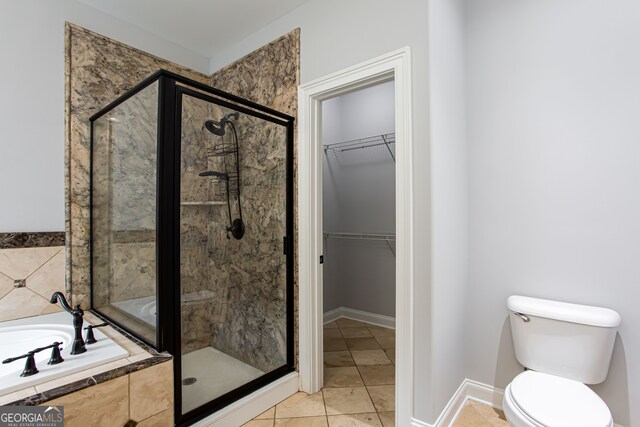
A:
[217, 128]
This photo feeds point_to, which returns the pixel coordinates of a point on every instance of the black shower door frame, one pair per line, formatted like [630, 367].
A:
[169, 151]
[172, 88]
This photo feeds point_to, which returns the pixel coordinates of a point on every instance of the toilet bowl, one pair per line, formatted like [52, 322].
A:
[564, 346]
[535, 399]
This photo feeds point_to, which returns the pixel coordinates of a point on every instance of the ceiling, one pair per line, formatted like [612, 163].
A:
[203, 26]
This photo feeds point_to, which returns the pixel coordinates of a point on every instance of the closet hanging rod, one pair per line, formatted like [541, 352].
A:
[361, 236]
[362, 143]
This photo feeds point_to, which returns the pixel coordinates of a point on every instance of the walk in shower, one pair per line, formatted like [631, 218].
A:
[192, 234]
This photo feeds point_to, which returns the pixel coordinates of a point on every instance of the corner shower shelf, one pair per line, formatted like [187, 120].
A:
[358, 144]
[204, 203]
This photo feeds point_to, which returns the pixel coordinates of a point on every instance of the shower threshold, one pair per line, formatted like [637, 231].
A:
[211, 373]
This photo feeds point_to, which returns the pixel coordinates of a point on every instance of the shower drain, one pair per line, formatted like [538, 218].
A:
[189, 381]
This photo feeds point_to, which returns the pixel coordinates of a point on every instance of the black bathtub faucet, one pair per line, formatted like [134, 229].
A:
[78, 346]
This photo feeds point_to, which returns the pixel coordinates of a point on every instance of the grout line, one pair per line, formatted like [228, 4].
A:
[44, 263]
[365, 386]
[8, 277]
[324, 404]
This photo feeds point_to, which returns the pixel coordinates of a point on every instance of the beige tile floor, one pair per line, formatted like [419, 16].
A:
[359, 382]
[359, 386]
[475, 414]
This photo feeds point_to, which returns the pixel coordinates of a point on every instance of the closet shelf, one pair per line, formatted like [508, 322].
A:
[358, 144]
[361, 236]
[204, 203]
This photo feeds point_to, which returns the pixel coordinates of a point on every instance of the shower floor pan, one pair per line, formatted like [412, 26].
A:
[215, 374]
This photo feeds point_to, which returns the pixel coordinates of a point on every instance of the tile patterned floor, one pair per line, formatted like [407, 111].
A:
[359, 386]
[359, 382]
[475, 414]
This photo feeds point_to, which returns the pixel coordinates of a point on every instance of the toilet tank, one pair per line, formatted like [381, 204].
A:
[568, 340]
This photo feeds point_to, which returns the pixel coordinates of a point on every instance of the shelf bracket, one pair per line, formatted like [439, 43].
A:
[386, 143]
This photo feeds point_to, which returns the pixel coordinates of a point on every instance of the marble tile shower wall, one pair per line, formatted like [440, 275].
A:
[97, 71]
[28, 277]
[250, 318]
[198, 285]
[232, 291]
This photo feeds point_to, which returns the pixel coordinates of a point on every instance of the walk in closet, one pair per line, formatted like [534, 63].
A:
[359, 205]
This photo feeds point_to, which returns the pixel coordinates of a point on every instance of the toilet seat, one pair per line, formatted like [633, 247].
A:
[544, 400]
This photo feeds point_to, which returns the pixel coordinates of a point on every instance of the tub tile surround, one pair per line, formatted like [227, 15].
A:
[145, 397]
[103, 404]
[31, 240]
[151, 391]
[28, 278]
[146, 371]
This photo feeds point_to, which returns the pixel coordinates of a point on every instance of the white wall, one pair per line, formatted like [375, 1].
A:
[334, 35]
[359, 197]
[449, 186]
[554, 156]
[32, 103]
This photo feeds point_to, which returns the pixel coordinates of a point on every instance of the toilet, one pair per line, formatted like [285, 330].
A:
[563, 346]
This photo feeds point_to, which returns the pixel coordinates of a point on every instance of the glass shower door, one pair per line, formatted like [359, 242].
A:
[233, 266]
[123, 213]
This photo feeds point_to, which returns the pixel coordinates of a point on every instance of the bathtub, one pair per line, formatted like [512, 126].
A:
[20, 336]
[145, 308]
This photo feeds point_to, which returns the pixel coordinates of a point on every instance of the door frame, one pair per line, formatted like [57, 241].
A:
[394, 66]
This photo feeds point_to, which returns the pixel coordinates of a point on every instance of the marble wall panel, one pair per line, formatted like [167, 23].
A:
[196, 284]
[133, 270]
[249, 319]
[97, 71]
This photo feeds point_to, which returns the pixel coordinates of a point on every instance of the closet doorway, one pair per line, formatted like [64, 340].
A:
[393, 66]
[359, 223]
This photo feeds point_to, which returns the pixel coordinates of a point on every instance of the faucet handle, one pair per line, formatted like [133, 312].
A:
[56, 357]
[29, 366]
[90, 338]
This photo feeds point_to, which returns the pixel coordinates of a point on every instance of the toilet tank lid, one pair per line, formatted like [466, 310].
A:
[564, 311]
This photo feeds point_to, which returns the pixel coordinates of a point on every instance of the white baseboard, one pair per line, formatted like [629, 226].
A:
[468, 390]
[243, 410]
[362, 316]
[417, 423]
